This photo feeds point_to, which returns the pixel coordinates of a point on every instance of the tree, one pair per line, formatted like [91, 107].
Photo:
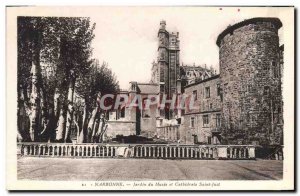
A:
[98, 81]
[30, 83]
[52, 53]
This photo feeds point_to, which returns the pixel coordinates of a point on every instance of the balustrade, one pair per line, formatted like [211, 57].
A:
[165, 151]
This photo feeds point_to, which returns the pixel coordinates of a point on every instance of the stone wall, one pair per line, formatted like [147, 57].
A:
[124, 128]
[194, 129]
[148, 122]
[250, 78]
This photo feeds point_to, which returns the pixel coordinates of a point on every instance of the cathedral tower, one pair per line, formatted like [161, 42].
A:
[168, 65]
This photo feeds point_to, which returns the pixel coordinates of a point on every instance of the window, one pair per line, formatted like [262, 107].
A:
[266, 90]
[205, 120]
[218, 120]
[225, 88]
[160, 122]
[145, 111]
[209, 140]
[207, 92]
[117, 115]
[249, 88]
[279, 109]
[266, 68]
[275, 70]
[195, 95]
[218, 89]
[210, 106]
[252, 118]
[192, 122]
[123, 112]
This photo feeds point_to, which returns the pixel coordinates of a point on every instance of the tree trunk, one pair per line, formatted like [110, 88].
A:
[60, 133]
[36, 80]
[77, 128]
[23, 128]
[91, 125]
[70, 109]
[103, 131]
[20, 134]
[95, 129]
[35, 103]
[82, 137]
[98, 132]
[44, 121]
[56, 103]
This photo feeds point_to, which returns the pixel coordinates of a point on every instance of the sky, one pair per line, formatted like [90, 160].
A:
[126, 37]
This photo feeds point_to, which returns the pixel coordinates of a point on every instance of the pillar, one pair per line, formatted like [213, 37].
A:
[251, 152]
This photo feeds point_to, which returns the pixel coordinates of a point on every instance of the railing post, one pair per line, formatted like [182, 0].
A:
[251, 152]
[25, 150]
[53, 151]
[149, 153]
[112, 151]
[101, 152]
[39, 150]
[154, 149]
[174, 152]
[97, 151]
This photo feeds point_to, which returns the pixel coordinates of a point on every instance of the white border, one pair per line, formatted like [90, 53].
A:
[92, 2]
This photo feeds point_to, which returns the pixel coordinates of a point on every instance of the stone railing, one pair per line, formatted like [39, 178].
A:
[163, 151]
[66, 150]
[169, 133]
[194, 151]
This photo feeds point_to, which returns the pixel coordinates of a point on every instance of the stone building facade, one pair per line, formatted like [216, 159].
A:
[240, 105]
[202, 124]
[127, 120]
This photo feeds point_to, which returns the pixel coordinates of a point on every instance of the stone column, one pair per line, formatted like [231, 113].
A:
[200, 153]
[166, 152]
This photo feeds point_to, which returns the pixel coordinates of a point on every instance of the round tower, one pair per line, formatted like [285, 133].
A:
[250, 78]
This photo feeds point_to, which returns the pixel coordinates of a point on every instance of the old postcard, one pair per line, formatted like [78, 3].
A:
[150, 98]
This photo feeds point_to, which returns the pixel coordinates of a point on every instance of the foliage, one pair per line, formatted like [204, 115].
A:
[60, 48]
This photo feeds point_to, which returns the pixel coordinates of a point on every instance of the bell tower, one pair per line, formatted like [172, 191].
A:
[168, 65]
[163, 57]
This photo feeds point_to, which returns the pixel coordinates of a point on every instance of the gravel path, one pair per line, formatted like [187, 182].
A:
[146, 169]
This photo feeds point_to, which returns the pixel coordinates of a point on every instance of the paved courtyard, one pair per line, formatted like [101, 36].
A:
[146, 169]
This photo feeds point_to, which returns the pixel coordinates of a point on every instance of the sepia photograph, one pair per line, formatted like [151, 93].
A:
[150, 98]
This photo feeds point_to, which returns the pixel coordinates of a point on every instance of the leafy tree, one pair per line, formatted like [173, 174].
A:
[99, 80]
[53, 54]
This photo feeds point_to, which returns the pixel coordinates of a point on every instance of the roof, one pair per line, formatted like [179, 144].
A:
[205, 80]
[230, 29]
[148, 88]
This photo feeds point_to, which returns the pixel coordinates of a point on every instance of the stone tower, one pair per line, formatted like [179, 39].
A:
[168, 65]
[249, 57]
